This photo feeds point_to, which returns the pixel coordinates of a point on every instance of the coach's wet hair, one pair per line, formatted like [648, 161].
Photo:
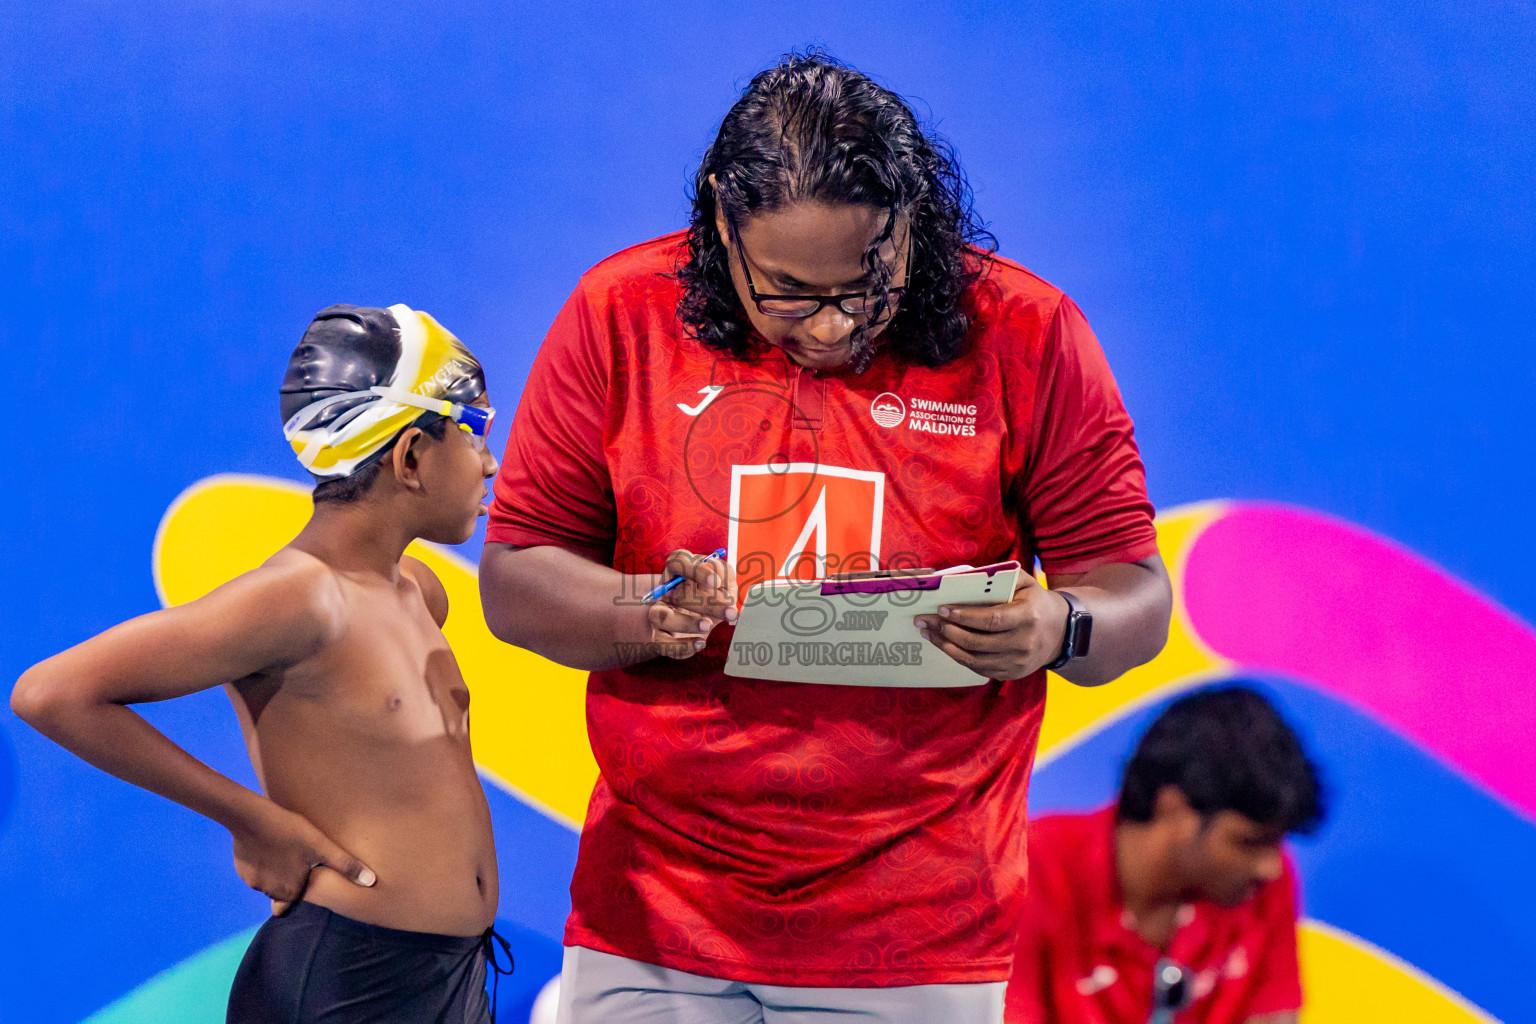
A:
[812, 128]
[1225, 748]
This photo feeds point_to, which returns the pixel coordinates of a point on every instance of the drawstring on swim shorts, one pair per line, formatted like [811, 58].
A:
[489, 940]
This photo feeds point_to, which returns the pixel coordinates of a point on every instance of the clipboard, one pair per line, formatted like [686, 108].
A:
[857, 630]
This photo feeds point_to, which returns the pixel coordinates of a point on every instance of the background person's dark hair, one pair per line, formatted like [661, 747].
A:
[1226, 749]
[812, 128]
[352, 487]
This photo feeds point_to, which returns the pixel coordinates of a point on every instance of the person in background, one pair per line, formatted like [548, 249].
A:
[1179, 899]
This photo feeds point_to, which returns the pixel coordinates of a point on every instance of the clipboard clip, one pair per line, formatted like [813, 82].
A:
[890, 581]
[872, 584]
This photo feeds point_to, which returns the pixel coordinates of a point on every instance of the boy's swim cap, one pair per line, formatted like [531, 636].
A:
[334, 423]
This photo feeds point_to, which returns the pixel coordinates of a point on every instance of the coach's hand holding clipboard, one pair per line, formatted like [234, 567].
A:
[957, 627]
[1011, 640]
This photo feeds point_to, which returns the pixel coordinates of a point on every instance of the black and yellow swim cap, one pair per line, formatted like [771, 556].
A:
[334, 422]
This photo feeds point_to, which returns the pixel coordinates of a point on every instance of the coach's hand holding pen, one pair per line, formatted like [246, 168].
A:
[700, 593]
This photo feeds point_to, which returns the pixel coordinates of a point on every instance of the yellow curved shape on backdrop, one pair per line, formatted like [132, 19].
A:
[1346, 980]
[530, 730]
[1072, 713]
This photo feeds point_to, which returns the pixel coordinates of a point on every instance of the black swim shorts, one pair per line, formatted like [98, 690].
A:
[313, 966]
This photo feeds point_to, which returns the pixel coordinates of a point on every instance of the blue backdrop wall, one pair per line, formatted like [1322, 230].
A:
[1306, 239]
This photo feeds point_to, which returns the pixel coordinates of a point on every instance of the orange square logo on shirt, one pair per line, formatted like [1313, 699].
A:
[802, 521]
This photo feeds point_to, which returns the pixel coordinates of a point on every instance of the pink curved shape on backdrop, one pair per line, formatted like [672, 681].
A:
[1338, 607]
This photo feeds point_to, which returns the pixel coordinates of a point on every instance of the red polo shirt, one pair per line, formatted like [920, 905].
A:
[1077, 962]
[801, 834]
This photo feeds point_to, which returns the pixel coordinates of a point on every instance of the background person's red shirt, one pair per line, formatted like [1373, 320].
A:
[794, 834]
[1077, 962]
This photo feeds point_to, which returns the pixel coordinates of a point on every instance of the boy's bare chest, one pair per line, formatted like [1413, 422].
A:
[391, 676]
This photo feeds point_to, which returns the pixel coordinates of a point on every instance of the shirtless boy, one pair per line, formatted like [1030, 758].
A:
[374, 838]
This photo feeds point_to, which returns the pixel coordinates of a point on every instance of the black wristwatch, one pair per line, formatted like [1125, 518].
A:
[1079, 631]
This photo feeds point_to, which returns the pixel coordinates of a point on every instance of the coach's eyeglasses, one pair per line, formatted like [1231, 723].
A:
[800, 307]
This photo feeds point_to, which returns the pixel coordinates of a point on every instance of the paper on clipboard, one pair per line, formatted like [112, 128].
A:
[858, 631]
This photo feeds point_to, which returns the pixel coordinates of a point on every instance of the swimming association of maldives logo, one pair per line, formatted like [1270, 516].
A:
[887, 409]
[924, 415]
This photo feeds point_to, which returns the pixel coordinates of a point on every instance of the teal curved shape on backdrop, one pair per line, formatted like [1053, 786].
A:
[196, 990]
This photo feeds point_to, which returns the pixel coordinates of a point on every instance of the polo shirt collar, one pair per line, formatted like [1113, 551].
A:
[1111, 922]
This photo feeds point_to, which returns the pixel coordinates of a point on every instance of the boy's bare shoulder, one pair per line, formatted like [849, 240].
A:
[432, 590]
[304, 590]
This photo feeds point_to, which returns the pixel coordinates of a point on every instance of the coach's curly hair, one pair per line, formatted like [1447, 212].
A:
[812, 128]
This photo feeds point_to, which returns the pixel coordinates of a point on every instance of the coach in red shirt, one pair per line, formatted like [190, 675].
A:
[1178, 903]
[829, 371]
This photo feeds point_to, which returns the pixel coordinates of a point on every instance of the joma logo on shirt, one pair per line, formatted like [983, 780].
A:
[710, 393]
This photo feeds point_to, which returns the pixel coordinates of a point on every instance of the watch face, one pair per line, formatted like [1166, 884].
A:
[1078, 632]
[1080, 628]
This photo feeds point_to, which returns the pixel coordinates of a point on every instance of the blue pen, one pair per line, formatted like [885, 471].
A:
[666, 588]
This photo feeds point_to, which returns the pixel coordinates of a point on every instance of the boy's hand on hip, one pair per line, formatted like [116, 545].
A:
[276, 853]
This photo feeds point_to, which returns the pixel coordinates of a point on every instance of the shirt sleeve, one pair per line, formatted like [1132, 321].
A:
[1083, 492]
[554, 487]
[1277, 973]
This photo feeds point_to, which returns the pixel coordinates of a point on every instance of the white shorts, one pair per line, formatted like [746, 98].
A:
[600, 988]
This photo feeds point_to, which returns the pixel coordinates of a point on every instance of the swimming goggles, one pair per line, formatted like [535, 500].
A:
[472, 419]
